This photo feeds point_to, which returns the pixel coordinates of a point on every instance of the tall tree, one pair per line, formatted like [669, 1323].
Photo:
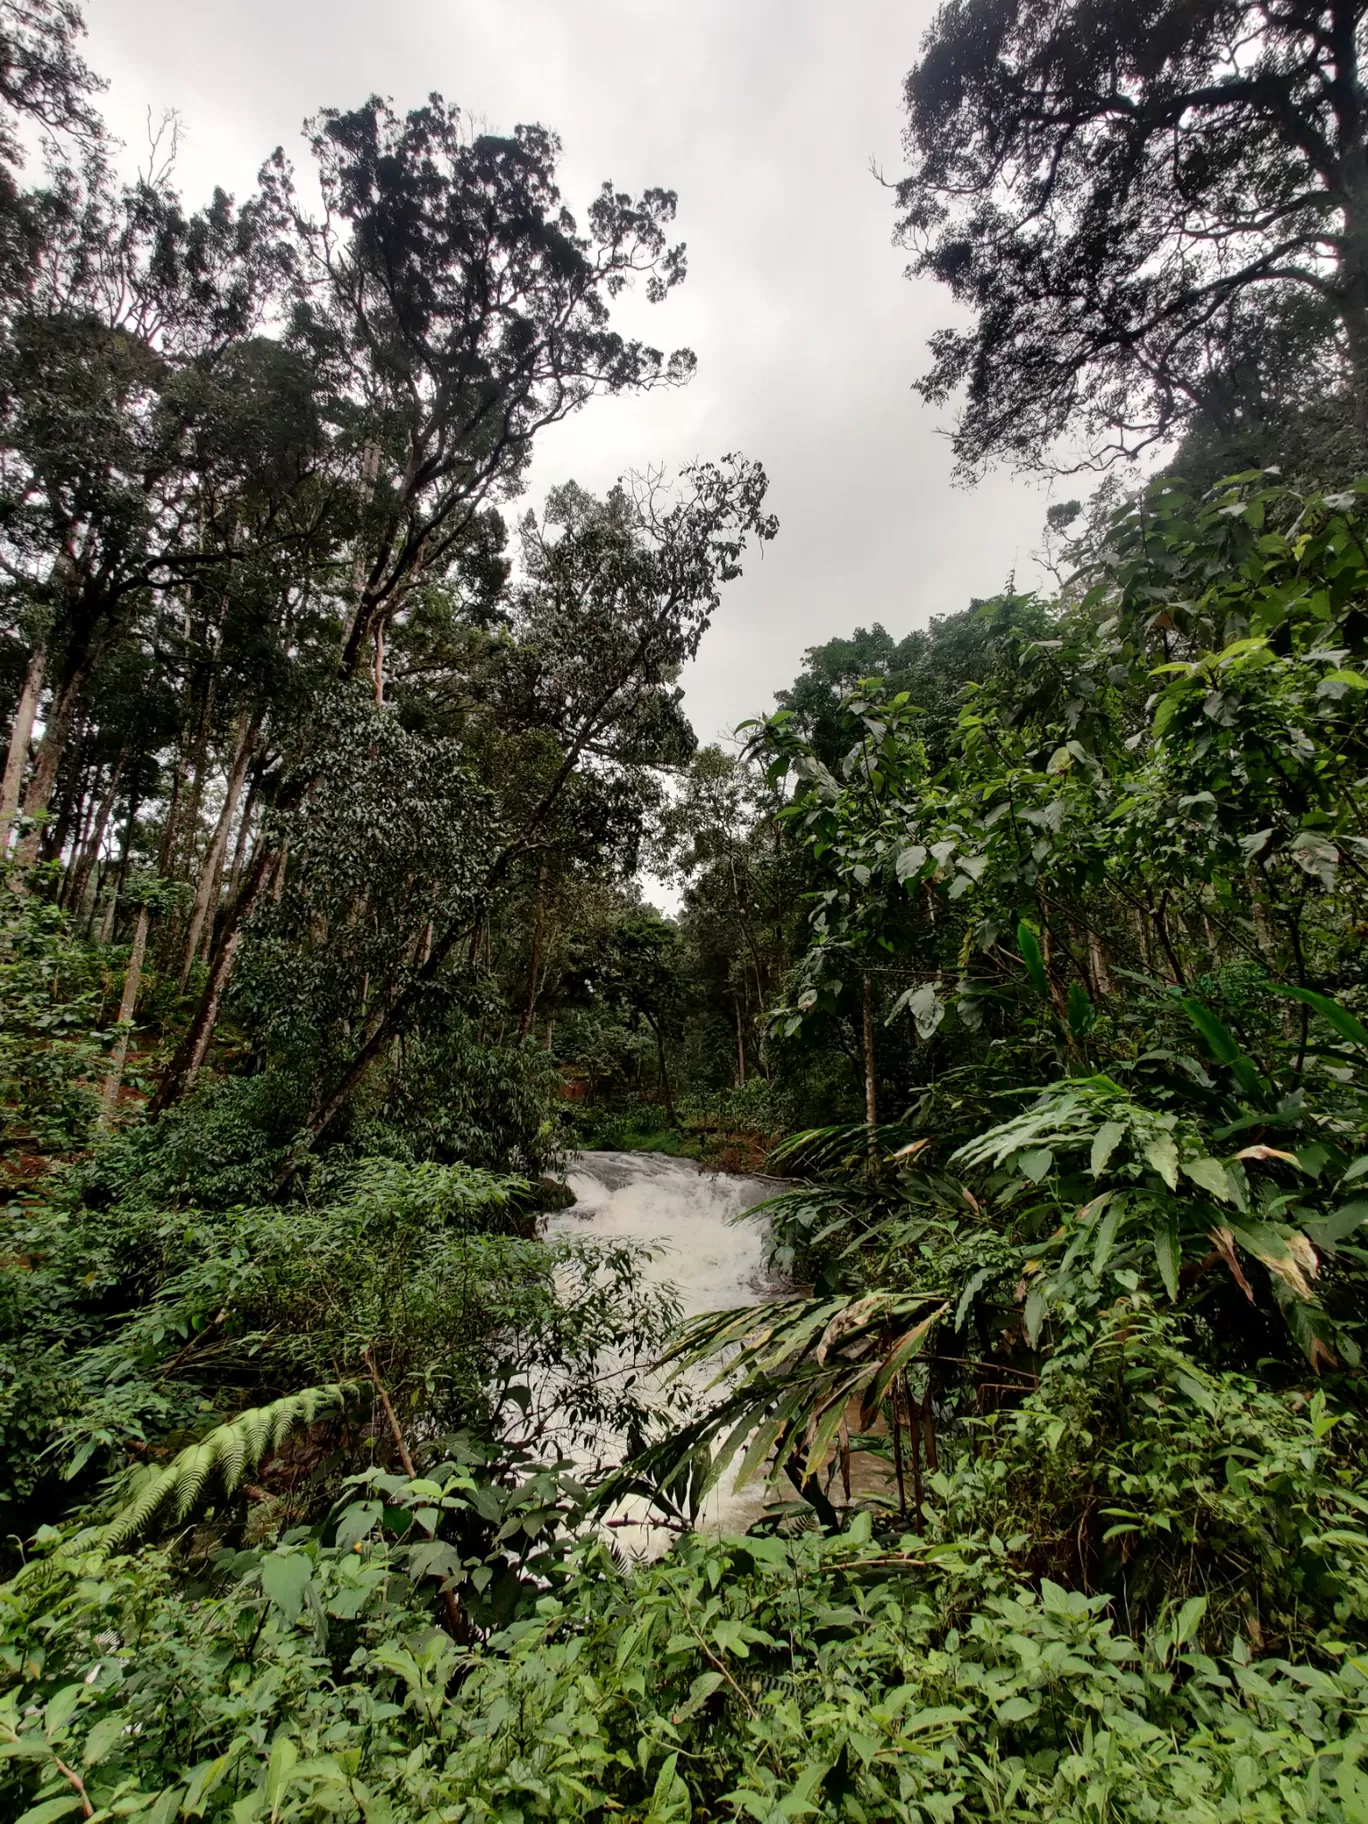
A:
[1152, 211]
[620, 593]
[467, 312]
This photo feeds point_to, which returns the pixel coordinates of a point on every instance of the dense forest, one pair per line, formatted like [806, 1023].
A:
[1025, 948]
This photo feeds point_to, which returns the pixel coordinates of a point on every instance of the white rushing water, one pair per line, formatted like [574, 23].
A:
[686, 1216]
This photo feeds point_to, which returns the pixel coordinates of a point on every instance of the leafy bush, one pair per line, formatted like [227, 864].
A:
[169, 1319]
[51, 993]
[741, 1678]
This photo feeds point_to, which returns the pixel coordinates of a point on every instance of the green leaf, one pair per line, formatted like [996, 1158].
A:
[1326, 1230]
[1017, 1709]
[284, 1755]
[102, 1738]
[1035, 1313]
[1105, 1143]
[356, 1521]
[166, 1809]
[1106, 1234]
[1162, 1154]
[1219, 1041]
[976, 1282]
[1166, 1253]
[1330, 1011]
[284, 1578]
[665, 1800]
[1080, 1009]
[1211, 1175]
[1223, 1048]
[700, 1691]
[1317, 856]
[59, 1712]
[1189, 1619]
[1036, 1163]
[1029, 947]
[50, 1810]
[436, 1558]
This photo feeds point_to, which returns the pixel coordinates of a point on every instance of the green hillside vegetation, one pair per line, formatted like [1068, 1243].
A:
[1026, 947]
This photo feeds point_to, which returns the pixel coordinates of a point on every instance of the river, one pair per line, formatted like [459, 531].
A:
[687, 1217]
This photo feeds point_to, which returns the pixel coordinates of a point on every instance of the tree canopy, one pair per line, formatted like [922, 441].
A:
[1152, 213]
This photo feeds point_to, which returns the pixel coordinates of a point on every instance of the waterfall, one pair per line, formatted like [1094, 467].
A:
[687, 1217]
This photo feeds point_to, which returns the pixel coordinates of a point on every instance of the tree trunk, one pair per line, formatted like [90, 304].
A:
[740, 1046]
[21, 733]
[196, 772]
[240, 845]
[662, 1070]
[1097, 956]
[71, 805]
[121, 874]
[38, 793]
[355, 627]
[80, 810]
[194, 1047]
[127, 1007]
[206, 893]
[80, 874]
[531, 1006]
[867, 1023]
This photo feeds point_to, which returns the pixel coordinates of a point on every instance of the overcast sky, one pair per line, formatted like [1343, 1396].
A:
[764, 115]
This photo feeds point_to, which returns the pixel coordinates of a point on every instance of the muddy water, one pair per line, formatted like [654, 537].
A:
[713, 1261]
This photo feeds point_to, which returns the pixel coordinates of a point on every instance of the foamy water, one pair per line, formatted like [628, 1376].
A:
[687, 1216]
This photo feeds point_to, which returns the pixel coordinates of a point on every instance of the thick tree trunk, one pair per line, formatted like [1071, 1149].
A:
[206, 893]
[71, 804]
[240, 845]
[1354, 316]
[127, 1008]
[21, 733]
[38, 793]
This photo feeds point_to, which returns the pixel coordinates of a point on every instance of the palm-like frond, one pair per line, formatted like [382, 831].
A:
[818, 1149]
[228, 1452]
[800, 1364]
[1063, 1115]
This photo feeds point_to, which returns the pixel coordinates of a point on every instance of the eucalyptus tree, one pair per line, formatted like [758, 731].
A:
[466, 312]
[115, 491]
[450, 310]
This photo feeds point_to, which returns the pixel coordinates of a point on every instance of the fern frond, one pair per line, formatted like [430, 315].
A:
[228, 1452]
